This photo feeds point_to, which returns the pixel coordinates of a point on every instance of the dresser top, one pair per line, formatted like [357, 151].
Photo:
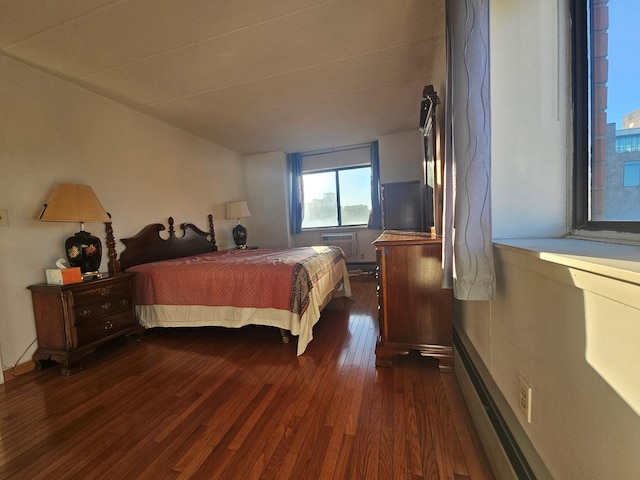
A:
[402, 237]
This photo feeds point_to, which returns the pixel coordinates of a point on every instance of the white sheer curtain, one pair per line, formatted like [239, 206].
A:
[467, 250]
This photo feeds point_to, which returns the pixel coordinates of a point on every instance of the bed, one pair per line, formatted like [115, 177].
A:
[185, 281]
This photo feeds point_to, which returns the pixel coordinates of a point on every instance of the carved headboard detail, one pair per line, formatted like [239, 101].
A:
[147, 246]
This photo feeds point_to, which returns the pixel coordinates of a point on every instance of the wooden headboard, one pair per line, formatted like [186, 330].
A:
[147, 246]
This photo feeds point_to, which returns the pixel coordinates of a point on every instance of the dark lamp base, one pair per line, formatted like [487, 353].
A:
[240, 236]
[84, 251]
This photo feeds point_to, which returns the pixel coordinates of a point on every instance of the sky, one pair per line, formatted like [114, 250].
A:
[354, 192]
[624, 59]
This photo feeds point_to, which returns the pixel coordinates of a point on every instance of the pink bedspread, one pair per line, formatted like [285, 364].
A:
[278, 279]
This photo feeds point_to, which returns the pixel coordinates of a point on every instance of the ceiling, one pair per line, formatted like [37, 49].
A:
[251, 75]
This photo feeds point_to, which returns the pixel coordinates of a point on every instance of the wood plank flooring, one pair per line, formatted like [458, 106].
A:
[239, 404]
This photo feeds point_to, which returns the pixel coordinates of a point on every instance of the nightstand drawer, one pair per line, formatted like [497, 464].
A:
[108, 292]
[108, 305]
[99, 328]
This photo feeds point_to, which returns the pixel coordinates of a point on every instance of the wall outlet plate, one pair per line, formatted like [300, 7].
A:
[524, 398]
[4, 218]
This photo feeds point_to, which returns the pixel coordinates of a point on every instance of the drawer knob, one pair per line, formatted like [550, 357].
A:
[85, 313]
[108, 325]
[106, 306]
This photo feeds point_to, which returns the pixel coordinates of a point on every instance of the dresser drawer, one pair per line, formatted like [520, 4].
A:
[95, 329]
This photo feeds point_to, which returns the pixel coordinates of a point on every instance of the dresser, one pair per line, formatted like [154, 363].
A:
[72, 320]
[414, 312]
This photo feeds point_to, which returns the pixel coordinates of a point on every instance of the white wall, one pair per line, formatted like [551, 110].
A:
[572, 334]
[142, 170]
[401, 156]
[529, 119]
[267, 200]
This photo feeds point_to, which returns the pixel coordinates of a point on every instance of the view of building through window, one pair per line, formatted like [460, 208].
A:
[614, 55]
[337, 197]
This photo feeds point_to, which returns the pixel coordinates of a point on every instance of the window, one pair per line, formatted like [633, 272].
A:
[632, 174]
[334, 188]
[627, 143]
[606, 69]
[337, 197]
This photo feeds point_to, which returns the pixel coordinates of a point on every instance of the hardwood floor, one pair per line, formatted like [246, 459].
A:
[238, 404]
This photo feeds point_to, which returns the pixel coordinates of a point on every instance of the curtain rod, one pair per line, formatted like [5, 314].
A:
[336, 149]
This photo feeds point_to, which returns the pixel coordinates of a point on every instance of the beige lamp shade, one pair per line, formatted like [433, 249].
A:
[71, 202]
[237, 210]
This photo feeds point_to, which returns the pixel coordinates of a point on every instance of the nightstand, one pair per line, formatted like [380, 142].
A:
[72, 320]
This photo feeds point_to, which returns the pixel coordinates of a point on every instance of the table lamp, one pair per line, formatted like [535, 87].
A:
[238, 210]
[71, 202]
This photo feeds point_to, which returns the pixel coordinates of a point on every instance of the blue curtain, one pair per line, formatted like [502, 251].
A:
[296, 194]
[375, 218]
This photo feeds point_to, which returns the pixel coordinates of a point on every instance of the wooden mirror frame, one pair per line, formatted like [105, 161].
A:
[432, 164]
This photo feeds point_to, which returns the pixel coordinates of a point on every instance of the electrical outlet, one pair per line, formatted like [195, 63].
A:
[4, 218]
[524, 398]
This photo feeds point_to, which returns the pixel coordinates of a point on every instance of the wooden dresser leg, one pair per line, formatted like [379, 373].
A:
[385, 352]
[446, 364]
[384, 361]
[69, 367]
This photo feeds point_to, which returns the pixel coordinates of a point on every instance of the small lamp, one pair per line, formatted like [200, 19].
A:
[238, 210]
[71, 202]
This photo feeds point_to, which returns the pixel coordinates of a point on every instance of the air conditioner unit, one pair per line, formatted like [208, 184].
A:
[346, 241]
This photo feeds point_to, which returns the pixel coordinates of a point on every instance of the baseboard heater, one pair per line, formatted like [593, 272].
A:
[514, 453]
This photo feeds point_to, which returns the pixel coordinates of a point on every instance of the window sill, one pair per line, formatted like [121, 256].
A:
[334, 229]
[616, 261]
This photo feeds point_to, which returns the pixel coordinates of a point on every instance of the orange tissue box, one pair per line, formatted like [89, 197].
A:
[63, 276]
